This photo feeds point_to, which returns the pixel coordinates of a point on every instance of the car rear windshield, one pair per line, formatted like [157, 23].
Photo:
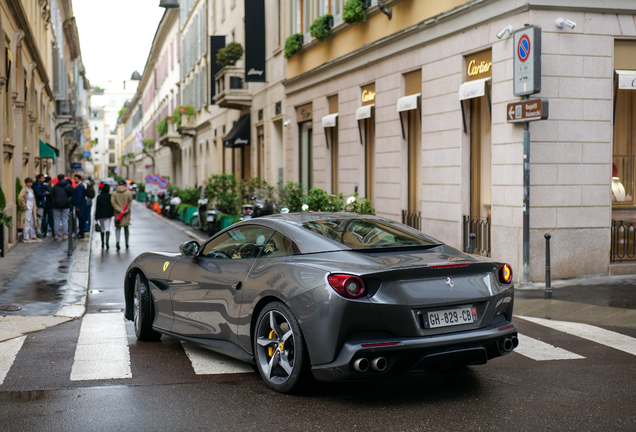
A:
[369, 233]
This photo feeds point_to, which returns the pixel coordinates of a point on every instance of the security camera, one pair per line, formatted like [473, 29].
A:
[509, 29]
[286, 123]
[560, 22]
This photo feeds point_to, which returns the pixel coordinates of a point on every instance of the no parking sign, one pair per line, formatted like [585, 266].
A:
[527, 61]
[156, 178]
[163, 183]
[148, 179]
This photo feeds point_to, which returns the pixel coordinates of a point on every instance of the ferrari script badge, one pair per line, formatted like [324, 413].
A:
[449, 283]
[167, 263]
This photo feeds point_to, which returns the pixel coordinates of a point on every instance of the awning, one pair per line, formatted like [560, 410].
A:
[408, 103]
[330, 120]
[473, 89]
[364, 112]
[47, 152]
[626, 79]
[239, 136]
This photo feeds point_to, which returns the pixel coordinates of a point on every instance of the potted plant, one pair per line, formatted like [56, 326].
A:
[229, 55]
[320, 27]
[293, 44]
[162, 127]
[354, 11]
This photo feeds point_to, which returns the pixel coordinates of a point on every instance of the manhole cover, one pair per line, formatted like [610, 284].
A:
[9, 308]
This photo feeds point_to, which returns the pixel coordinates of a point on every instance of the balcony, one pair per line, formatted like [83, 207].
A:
[64, 108]
[231, 88]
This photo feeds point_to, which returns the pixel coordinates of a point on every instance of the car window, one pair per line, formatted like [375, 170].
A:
[238, 243]
[368, 233]
[278, 246]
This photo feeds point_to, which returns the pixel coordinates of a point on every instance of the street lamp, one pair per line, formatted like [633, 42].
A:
[169, 4]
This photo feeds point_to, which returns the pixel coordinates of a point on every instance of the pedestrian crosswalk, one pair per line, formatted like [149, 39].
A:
[102, 350]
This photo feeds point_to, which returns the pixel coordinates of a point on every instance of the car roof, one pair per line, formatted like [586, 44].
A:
[290, 225]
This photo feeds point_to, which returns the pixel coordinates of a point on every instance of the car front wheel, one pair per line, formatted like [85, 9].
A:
[280, 350]
[143, 311]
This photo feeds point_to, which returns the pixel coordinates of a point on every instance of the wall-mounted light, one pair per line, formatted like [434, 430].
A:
[385, 11]
[509, 29]
[169, 4]
[560, 22]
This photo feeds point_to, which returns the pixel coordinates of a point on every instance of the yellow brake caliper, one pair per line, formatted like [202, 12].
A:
[271, 350]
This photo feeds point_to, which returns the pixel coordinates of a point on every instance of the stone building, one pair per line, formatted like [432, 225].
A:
[422, 130]
[43, 96]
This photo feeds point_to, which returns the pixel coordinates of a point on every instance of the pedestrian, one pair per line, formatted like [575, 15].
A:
[81, 208]
[29, 220]
[47, 219]
[89, 184]
[62, 193]
[103, 214]
[121, 200]
[40, 201]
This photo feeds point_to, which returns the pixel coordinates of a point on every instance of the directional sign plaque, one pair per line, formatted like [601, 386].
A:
[529, 110]
[527, 61]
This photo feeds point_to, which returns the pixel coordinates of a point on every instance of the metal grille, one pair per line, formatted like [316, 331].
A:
[481, 229]
[623, 241]
[414, 220]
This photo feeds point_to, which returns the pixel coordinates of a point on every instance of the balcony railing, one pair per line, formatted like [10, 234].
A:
[623, 246]
[231, 88]
[481, 229]
[414, 220]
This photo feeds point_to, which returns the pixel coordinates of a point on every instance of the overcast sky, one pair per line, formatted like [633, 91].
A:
[115, 36]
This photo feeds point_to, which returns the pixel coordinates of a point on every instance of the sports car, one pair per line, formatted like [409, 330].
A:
[333, 296]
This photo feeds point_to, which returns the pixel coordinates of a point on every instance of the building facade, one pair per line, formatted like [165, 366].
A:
[43, 96]
[421, 100]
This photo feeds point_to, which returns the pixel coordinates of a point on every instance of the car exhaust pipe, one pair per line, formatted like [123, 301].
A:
[507, 345]
[379, 364]
[361, 365]
[515, 342]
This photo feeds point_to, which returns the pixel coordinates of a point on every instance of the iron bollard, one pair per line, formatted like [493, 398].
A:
[471, 246]
[548, 276]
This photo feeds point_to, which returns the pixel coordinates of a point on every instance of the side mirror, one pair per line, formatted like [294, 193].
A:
[190, 248]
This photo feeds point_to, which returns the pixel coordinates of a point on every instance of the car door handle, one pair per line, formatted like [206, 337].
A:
[237, 286]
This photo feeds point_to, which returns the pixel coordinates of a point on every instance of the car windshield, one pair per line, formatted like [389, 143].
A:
[369, 233]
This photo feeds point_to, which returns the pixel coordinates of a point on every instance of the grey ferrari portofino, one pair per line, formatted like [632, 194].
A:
[335, 295]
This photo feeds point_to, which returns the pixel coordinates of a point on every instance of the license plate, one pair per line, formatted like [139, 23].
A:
[451, 317]
[210, 218]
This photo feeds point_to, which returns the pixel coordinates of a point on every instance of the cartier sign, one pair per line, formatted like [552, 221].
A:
[479, 65]
[368, 94]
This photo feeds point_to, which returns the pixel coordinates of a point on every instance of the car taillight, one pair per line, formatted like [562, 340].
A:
[346, 285]
[505, 274]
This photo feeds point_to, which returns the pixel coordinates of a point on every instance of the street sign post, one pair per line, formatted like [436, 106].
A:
[527, 61]
[527, 110]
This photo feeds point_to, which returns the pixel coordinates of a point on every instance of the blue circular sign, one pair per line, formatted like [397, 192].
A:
[523, 49]
[163, 183]
[148, 179]
[156, 178]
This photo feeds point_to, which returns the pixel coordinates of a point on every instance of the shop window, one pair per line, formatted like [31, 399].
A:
[624, 145]
[306, 155]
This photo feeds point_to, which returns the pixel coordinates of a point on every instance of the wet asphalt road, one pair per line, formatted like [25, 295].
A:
[164, 394]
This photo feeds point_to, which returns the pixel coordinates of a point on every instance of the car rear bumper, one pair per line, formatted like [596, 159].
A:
[409, 355]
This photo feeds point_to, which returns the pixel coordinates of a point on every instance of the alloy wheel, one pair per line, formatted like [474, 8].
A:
[276, 347]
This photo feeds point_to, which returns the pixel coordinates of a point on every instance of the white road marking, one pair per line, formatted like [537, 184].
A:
[102, 349]
[8, 351]
[585, 331]
[206, 362]
[541, 351]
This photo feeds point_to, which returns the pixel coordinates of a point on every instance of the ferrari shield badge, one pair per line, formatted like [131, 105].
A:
[165, 265]
[449, 283]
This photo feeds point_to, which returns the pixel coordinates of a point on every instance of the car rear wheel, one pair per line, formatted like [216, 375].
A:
[143, 311]
[280, 350]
